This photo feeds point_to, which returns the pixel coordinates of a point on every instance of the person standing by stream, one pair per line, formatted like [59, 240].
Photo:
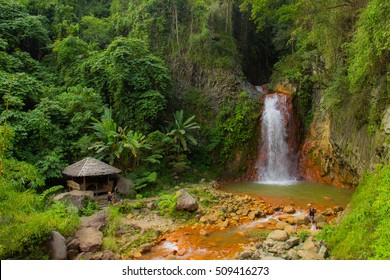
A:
[311, 213]
[109, 198]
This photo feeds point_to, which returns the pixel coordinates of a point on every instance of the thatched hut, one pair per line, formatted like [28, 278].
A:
[91, 174]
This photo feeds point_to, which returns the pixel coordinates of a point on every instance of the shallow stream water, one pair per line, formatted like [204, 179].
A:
[299, 193]
[189, 243]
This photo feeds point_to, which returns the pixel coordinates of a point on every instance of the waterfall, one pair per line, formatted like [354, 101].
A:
[277, 155]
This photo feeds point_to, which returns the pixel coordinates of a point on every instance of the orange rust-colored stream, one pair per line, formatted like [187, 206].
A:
[210, 242]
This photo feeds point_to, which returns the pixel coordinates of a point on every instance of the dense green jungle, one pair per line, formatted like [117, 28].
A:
[164, 90]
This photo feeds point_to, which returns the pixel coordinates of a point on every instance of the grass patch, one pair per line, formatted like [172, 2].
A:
[364, 232]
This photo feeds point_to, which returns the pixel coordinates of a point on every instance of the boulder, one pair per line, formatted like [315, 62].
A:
[278, 235]
[291, 242]
[323, 253]
[302, 219]
[277, 248]
[290, 229]
[281, 225]
[309, 245]
[56, 246]
[292, 255]
[309, 255]
[319, 218]
[97, 220]
[322, 224]
[337, 209]
[255, 213]
[270, 257]
[123, 185]
[72, 254]
[73, 244]
[289, 209]
[244, 255]
[144, 248]
[75, 197]
[328, 212]
[90, 239]
[186, 202]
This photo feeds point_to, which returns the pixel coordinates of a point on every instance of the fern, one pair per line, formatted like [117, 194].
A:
[50, 191]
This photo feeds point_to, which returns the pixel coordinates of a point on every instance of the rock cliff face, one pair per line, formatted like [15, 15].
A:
[338, 153]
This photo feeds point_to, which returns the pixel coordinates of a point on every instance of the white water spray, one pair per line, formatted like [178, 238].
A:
[275, 168]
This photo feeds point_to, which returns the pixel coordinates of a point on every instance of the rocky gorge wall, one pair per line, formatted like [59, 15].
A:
[339, 152]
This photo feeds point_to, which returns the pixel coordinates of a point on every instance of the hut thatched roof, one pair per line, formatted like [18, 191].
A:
[89, 167]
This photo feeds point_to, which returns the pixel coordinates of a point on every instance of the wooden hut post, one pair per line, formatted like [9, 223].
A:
[84, 183]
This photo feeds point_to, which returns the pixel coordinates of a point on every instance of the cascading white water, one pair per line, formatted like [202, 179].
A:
[273, 167]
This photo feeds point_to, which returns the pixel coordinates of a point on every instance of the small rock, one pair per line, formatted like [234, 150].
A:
[97, 256]
[281, 225]
[338, 208]
[309, 255]
[277, 248]
[302, 219]
[328, 212]
[245, 255]
[182, 252]
[292, 255]
[144, 248]
[319, 219]
[309, 245]
[270, 257]
[203, 232]
[291, 242]
[278, 235]
[108, 255]
[289, 209]
[322, 224]
[73, 244]
[290, 229]
[72, 254]
[323, 252]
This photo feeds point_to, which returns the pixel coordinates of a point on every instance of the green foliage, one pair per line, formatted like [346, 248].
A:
[303, 235]
[122, 147]
[125, 208]
[235, 128]
[369, 49]
[135, 82]
[363, 232]
[26, 225]
[22, 30]
[89, 208]
[166, 204]
[180, 131]
[49, 193]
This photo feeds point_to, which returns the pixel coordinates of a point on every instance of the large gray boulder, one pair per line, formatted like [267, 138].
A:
[123, 185]
[97, 220]
[56, 246]
[186, 202]
[278, 235]
[90, 239]
[76, 197]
